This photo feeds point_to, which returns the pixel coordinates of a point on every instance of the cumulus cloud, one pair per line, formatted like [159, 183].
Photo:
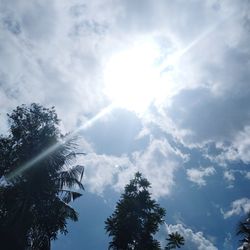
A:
[193, 240]
[206, 105]
[158, 163]
[237, 207]
[197, 109]
[102, 170]
[236, 151]
[229, 176]
[198, 175]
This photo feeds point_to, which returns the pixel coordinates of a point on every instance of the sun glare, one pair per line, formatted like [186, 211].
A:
[131, 77]
[138, 76]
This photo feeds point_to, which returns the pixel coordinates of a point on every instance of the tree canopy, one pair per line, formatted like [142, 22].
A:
[136, 218]
[34, 199]
[244, 231]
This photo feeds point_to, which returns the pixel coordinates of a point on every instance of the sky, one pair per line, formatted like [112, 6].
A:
[156, 86]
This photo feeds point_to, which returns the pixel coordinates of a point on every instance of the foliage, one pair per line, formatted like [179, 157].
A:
[175, 240]
[34, 200]
[136, 218]
[244, 231]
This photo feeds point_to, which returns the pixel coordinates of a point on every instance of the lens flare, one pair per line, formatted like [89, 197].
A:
[54, 147]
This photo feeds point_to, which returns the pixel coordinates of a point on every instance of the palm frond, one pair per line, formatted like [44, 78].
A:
[69, 196]
[70, 178]
[68, 211]
[175, 240]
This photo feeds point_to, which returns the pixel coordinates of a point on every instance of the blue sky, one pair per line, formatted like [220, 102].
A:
[177, 76]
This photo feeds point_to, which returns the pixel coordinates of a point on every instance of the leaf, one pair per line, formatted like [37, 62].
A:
[69, 211]
[72, 177]
[69, 196]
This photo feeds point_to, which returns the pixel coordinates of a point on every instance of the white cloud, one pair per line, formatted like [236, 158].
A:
[247, 175]
[158, 163]
[237, 207]
[241, 145]
[229, 176]
[193, 240]
[198, 175]
[102, 170]
[237, 150]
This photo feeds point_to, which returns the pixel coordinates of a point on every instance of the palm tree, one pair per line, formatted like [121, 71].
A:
[175, 240]
[244, 230]
[34, 202]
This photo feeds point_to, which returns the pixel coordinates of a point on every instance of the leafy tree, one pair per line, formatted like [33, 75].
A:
[244, 231]
[175, 240]
[37, 179]
[136, 218]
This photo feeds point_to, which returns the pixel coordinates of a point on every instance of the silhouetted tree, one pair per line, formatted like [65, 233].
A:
[36, 179]
[244, 231]
[136, 218]
[175, 240]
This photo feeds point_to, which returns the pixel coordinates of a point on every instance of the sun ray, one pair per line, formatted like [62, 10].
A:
[176, 56]
[54, 147]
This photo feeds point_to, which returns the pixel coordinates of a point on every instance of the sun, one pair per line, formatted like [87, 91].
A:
[132, 78]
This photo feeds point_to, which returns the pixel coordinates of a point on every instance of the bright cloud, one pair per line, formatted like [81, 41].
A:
[198, 175]
[101, 171]
[237, 150]
[193, 240]
[237, 207]
[158, 164]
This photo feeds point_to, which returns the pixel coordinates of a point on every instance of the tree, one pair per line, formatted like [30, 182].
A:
[37, 179]
[175, 240]
[136, 218]
[244, 230]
